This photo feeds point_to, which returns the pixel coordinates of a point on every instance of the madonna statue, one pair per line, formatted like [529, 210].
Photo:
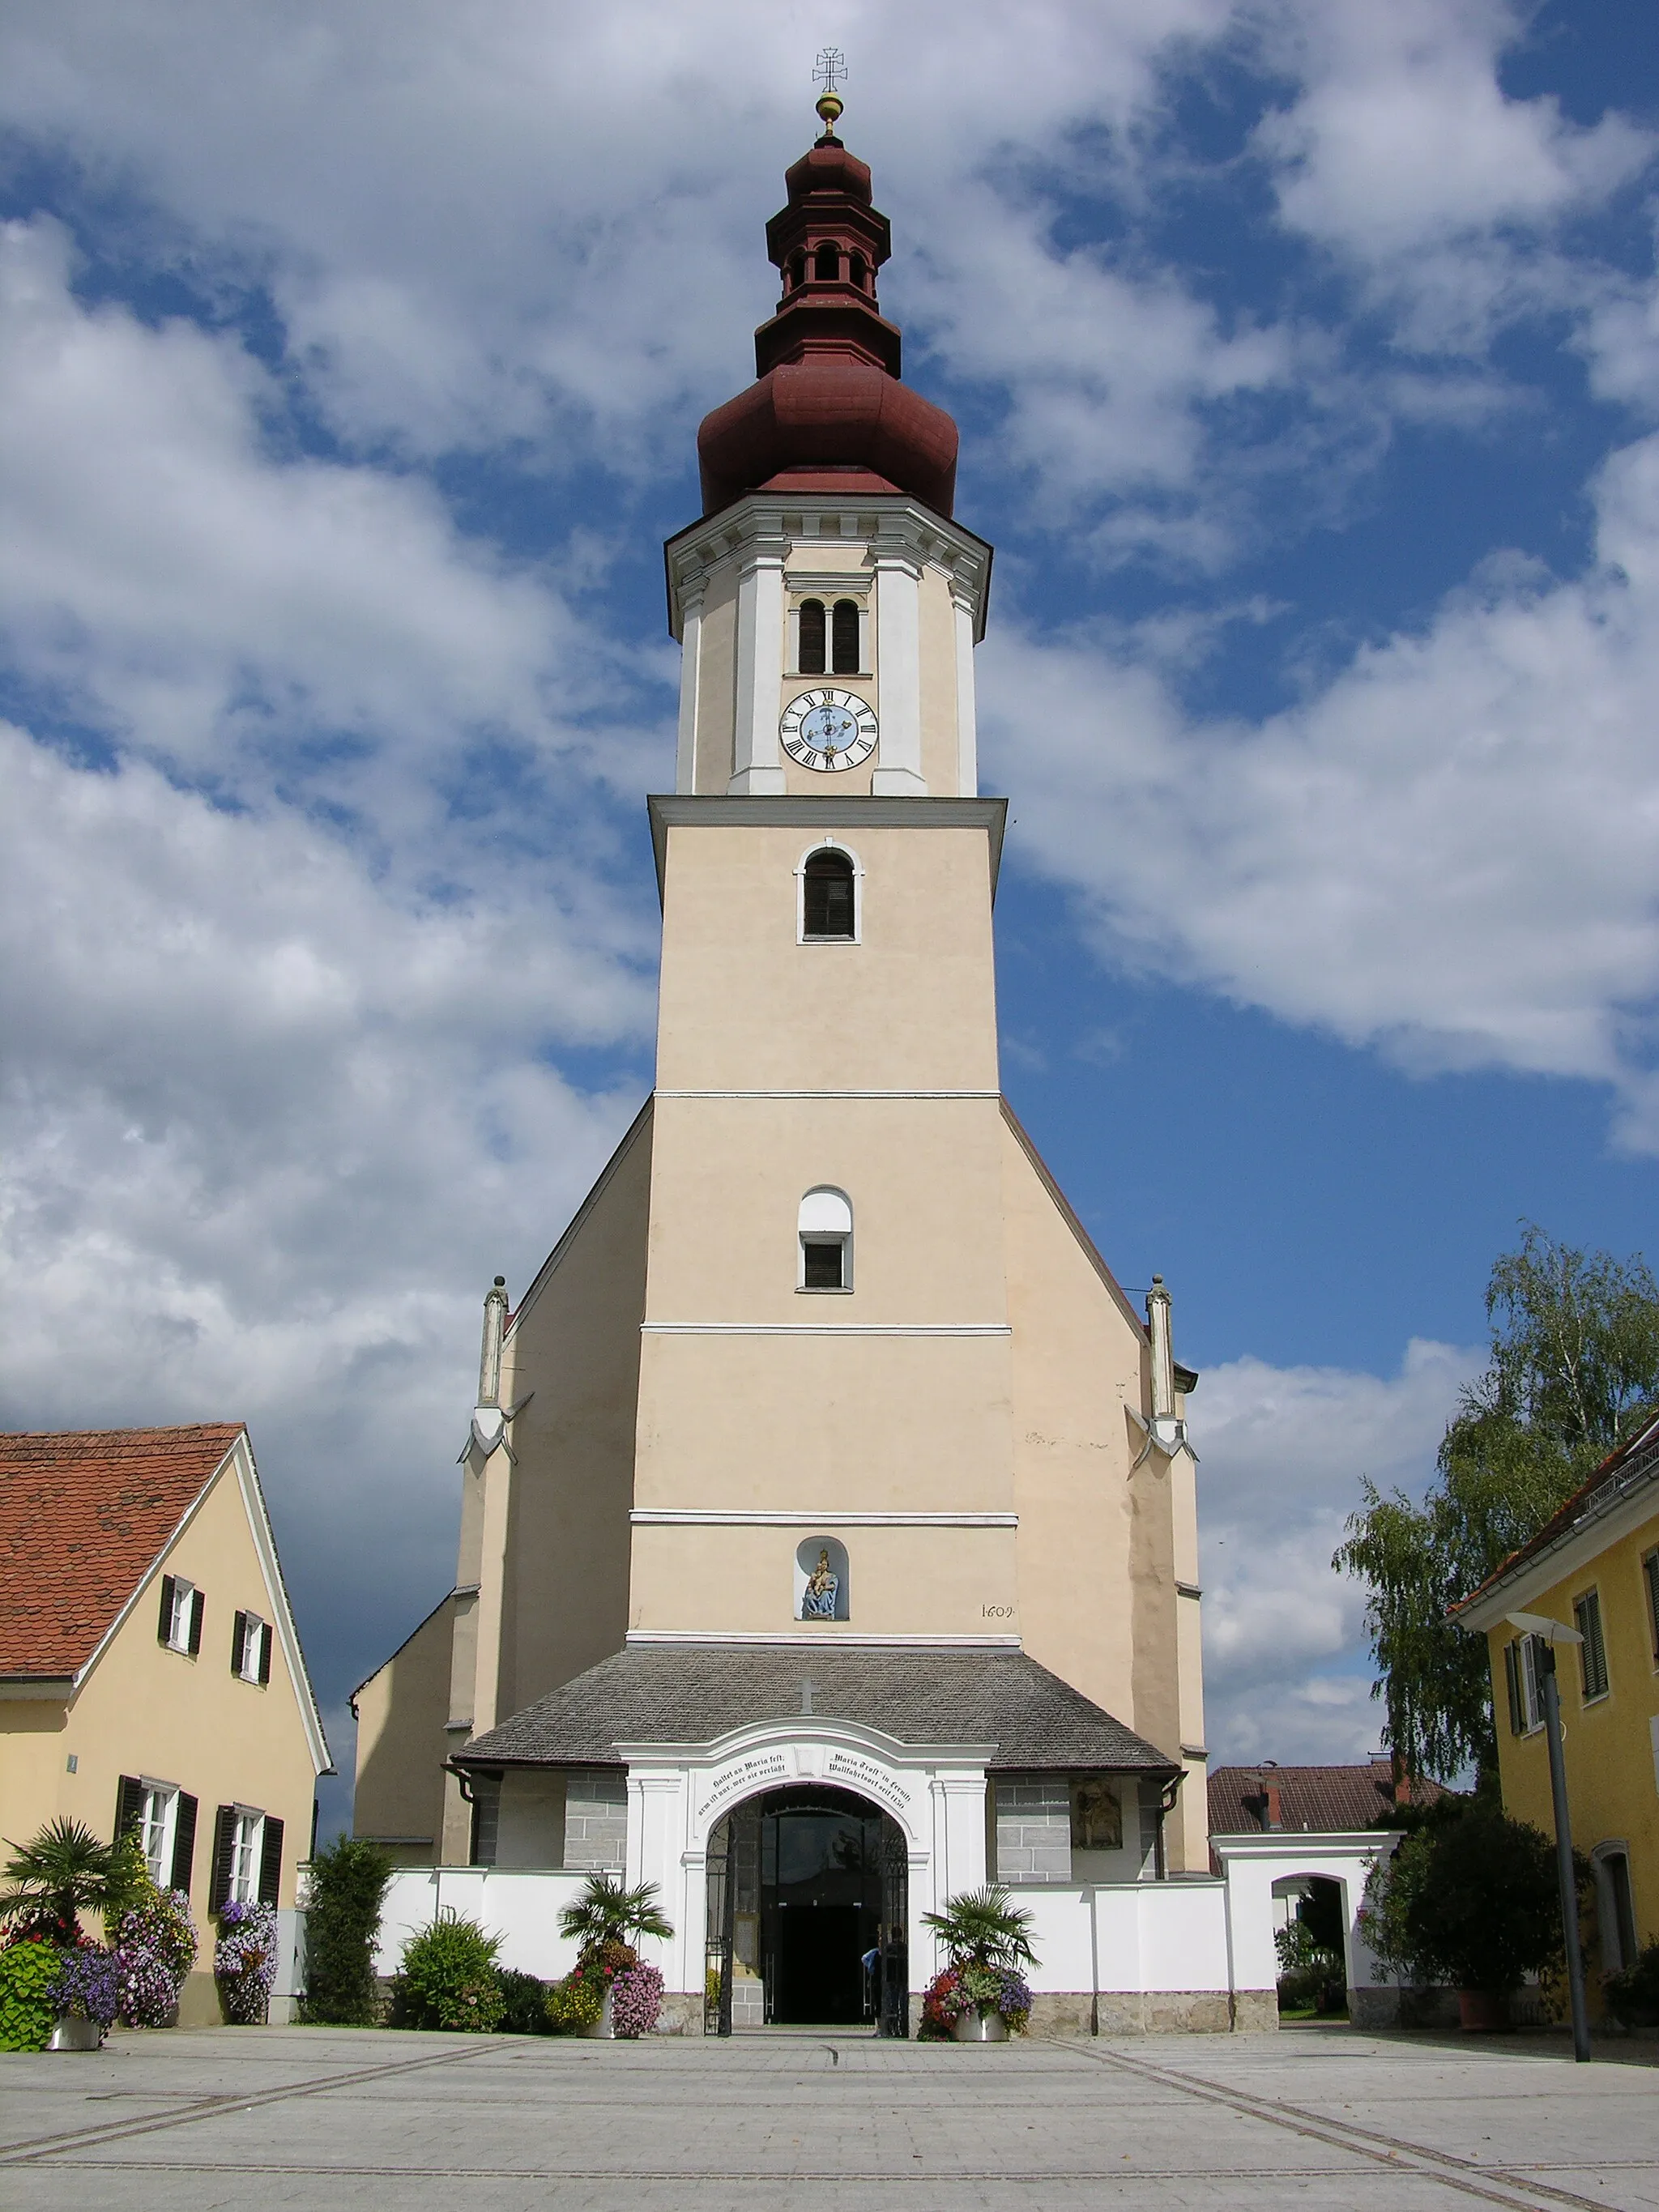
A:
[818, 1598]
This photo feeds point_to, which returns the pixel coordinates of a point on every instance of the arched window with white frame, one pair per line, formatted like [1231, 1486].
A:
[829, 897]
[824, 1241]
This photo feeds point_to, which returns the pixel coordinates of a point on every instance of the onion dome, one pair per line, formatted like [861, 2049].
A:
[829, 413]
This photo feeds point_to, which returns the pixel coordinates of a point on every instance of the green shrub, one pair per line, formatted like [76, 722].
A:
[1312, 1975]
[28, 2013]
[1469, 1898]
[343, 1920]
[575, 2004]
[523, 2002]
[1634, 1996]
[450, 1978]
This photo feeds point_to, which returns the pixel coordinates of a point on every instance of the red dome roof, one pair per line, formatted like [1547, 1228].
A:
[828, 405]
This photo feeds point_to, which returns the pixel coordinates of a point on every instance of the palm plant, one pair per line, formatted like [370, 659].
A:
[606, 1912]
[58, 1872]
[984, 1928]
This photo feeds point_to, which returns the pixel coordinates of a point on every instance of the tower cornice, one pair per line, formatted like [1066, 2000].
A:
[889, 525]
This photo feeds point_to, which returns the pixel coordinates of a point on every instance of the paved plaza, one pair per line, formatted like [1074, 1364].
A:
[327, 2118]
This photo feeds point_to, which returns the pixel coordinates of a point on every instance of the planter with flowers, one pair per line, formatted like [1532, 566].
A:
[981, 1997]
[609, 1991]
[245, 1962]
[57, 1986]
[154, 1950]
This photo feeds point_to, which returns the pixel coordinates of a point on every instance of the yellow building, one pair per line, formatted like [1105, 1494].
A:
[824, 1474]
[1594, 1567]
[150, 1674]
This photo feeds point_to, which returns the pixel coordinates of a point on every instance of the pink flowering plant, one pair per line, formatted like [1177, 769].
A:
[155, 1942]
[636, 2001]
[245, 1960]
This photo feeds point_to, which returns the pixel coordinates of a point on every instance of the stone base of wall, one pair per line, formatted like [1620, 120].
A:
[1153, 2012]
[198, 2000]
[681, 2013]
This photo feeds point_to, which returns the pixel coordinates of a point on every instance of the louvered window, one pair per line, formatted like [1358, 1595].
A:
[1651, 1577]
[844, 637]
[809, 654]
[1592, 1651]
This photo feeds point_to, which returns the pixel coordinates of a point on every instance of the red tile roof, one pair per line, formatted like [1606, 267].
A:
[1316, 1799]
[82, 1515]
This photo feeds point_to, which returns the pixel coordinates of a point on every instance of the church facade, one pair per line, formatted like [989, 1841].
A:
[829, 1531]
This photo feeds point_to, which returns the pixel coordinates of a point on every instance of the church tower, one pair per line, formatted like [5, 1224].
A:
[824, 1464]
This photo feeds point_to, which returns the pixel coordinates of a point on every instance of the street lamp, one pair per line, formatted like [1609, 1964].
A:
[1549, 1633]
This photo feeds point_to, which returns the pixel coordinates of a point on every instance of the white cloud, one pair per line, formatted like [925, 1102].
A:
[1401, 153]
[1447, 852]
[266, 1130]
[1281, 1451]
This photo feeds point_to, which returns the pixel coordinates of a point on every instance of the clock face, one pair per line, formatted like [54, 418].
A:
[829, 729]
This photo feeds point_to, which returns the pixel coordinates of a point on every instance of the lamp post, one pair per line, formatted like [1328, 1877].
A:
[1548, 1634]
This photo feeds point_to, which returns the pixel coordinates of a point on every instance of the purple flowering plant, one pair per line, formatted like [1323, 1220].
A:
[636, 2001]
[87, 1984]
[245, 1960]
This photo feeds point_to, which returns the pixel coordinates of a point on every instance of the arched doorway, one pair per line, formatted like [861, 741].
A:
[808, 1914]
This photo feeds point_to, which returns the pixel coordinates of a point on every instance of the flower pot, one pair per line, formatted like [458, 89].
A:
[73, 2034]
[979, 2027]
[606, 2025]
[1479, 2011]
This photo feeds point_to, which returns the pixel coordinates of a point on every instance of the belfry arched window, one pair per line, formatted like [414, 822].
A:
[829, 897]
[844, 637]
[858, 271]
[824, 1235]
[821, 1579]
[797, 271]
[826, 266]
[813, 637]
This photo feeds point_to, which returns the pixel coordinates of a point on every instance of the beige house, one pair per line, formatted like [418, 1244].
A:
[150, 1675]
[827, 1504]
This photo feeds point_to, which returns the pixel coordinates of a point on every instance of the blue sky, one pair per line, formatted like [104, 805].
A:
[1306, 355]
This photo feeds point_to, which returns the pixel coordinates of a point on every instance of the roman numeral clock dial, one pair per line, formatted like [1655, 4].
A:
[829, 729]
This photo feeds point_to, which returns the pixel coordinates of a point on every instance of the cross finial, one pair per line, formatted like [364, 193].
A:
[830, 70]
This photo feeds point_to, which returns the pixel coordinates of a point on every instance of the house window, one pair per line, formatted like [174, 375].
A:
[1592, 1651]
[180, 1625]
[809, 651]
[247, 1839]
[1526, 1697]
[1650, 1579]
[158, 1815]
[825, 1239]
[250, 1648]
[827, 898]
[844, 638]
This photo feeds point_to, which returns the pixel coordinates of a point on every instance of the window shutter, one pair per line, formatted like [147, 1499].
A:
[164, 1628]
[270, 1861]
[844, 637]
[224, 1847]
[238, 1642]
[128, 1804]
[184, 1844]
[264, 1653]
[1513, 1683]
[197, 1603]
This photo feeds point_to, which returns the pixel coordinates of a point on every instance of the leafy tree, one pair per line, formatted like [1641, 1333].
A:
[349, 1881]
[1575, 1354]
[1471, 1898]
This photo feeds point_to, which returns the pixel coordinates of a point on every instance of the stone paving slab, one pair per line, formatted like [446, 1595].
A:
[330, 2119]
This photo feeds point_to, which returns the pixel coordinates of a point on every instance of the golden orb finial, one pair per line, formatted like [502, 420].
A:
[830, 69]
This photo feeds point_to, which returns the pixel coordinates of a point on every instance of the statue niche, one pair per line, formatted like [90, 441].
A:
[821, 1580]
